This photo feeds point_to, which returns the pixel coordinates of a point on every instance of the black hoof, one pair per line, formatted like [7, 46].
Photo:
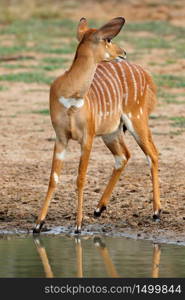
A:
[38, 227]
[156, 216]
[98, 211]
[77, 230]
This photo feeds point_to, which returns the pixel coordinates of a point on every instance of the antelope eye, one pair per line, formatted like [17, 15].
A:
[108, 41]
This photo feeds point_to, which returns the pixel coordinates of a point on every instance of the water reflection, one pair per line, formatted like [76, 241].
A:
[104, 254]
[88, 256]
[44, 258]
[79, 257]
[156, 260]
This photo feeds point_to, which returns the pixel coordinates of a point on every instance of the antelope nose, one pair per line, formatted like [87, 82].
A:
[124, 54]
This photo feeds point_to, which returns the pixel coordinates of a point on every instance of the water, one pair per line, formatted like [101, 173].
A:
[88, 256]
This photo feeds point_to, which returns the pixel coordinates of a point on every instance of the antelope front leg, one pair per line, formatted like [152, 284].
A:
[58, 160]
[85, 154]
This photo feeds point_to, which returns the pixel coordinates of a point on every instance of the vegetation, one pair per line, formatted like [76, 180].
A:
[44, 41]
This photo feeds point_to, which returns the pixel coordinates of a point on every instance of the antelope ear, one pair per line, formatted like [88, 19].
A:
[111, 29]
[82, 28]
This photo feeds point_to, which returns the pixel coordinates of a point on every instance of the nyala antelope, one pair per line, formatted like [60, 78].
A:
[101, 95]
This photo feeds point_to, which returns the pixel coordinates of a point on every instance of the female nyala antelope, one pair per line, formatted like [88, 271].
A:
[101, 96]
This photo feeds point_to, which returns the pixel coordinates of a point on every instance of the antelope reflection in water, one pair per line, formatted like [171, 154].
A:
[104, 253]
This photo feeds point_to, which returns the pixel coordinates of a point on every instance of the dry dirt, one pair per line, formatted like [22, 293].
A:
[26, 150]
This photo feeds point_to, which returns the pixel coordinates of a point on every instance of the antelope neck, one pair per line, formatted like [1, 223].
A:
[80, 76]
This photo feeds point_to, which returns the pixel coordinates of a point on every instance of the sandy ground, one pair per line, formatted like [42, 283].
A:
[26, 150]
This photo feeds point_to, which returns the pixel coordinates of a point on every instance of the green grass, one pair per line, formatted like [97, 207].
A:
[158, 117]
[170, 81]
[37, 35]
[44, 112]
[47, 48]
[37, 27]
[179, 46]
[3, 88]
[55, 60]
[148, 43]
[14, 66]
[27, 77]
[160, 28]
[49, 67]
[6, 51]
[163, 36]
[178, 121]
[37, 67]
[174, 101]
[170, 98]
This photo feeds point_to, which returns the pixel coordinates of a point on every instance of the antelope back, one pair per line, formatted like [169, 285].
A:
[120, 87]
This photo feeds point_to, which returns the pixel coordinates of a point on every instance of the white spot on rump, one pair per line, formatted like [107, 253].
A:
[55, 176]
[61, 155]
[68, 102]
[141, 111]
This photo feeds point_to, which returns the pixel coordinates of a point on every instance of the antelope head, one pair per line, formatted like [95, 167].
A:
[100, 40]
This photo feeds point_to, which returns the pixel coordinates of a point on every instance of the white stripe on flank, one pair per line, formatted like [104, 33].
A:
[143, 79]
[104, 98]
[98, 92]
[108, 76]
[109, 102]
[119, 86]
[141, 111]
[101, 93]
[133, 79]
[95, 103]
[124, 81]
[116, 90]
[140, 79]
[109, 98]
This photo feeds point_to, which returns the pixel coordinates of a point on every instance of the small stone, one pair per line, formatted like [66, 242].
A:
[97, 190]
[135, 215]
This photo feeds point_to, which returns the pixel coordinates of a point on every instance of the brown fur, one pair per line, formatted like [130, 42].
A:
[106, 106]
